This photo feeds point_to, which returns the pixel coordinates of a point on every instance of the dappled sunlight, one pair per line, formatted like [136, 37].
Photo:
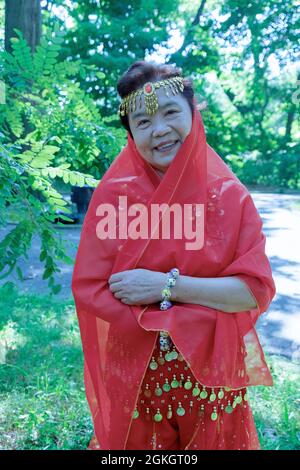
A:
[10, 340]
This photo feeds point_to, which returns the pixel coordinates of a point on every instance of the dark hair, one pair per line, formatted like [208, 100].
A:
[141, 72]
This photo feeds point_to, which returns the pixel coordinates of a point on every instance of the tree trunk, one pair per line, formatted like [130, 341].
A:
[24, 15]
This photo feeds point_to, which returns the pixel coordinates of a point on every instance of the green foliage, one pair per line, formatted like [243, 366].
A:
[254, 114]
[44, 106]
[37, 203]
[51, 130]
[109, 35]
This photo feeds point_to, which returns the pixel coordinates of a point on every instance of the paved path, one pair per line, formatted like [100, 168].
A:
[279, 328]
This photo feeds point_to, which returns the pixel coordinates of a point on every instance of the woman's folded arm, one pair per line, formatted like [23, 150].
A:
[228, 294]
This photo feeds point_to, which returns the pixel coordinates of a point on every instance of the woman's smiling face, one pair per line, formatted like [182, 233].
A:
[171, 124]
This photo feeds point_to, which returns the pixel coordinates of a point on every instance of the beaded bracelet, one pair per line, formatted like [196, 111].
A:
[166, 292]
[165, 341]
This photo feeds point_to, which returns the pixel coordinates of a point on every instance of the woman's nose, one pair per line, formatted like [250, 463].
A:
[160, 127]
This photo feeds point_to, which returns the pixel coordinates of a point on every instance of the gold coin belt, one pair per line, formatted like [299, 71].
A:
[169, 387]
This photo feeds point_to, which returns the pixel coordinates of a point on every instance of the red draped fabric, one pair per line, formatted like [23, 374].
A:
[222, 349]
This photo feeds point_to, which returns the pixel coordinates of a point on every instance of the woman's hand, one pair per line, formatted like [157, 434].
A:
[137, 286]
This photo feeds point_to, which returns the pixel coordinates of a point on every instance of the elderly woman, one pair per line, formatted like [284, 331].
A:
[170, 278]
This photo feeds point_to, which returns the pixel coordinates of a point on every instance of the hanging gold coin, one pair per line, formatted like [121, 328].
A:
[158, 416]
[180, 411]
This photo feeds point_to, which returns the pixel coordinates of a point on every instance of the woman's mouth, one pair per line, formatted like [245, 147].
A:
[166, 148]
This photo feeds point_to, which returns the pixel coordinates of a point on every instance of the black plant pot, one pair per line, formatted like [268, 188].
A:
[81, 196]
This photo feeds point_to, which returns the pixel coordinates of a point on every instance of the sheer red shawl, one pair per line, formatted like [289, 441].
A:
[221, 348]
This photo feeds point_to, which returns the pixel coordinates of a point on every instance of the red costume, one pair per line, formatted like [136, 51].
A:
[220, 349]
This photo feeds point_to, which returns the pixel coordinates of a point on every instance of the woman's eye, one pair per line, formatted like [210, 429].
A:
[146, 120]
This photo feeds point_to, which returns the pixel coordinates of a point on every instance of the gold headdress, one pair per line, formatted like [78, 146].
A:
[175, 84]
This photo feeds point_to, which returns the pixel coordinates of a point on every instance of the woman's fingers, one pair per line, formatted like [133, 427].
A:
[116, 277]
[118, 295]
[115, 287]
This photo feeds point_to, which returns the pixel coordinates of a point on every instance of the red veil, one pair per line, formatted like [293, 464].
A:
[222, 349]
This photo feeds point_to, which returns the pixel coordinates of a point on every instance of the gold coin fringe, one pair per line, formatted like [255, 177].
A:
[174, 84]
[231, 398]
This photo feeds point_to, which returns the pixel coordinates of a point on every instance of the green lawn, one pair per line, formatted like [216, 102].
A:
[42, 398]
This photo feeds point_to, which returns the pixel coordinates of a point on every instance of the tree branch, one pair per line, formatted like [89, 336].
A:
[194, 23]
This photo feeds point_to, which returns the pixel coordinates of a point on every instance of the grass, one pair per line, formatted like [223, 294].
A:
[42, 397]
[276, 409]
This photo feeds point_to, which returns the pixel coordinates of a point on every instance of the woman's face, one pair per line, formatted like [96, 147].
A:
[171, 124]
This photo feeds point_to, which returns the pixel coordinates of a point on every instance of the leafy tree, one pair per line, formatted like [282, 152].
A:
[51, 129]
[252, 122]
[109, 35]
[258, 33]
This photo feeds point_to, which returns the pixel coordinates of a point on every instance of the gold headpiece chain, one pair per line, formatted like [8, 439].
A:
[175, 84]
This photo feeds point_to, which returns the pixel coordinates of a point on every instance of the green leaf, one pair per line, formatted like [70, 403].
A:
[49, 261]
[43, 43]
[39, 163]
[56, 27]
[47, 273]
[43, 255]
[64, 217]
[66, 177]
[56, 138]
[57, 40]
[20, 274]
[56, 289]
[57, 202]
[82, 73]
[53, 172]
[51, 149]
[73, 179]
[100, 75]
